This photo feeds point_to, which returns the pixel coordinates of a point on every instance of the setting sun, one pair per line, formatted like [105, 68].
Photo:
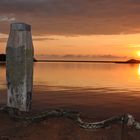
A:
[138, 53]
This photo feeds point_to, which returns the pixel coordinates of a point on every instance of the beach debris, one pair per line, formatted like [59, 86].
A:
[19, 66]
[126, 119]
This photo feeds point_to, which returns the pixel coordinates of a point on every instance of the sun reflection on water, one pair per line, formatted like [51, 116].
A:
[139, 70]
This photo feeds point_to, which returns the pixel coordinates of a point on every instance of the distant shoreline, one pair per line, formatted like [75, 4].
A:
[83, 61]
[90, 61]
[130, 61]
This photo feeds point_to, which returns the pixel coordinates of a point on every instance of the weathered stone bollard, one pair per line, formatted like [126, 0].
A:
[19, 66]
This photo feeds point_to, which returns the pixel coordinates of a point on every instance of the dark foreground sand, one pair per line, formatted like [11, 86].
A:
[93, 106]
[60, 129]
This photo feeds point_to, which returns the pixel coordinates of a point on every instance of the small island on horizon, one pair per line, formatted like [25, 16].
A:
[130, 61]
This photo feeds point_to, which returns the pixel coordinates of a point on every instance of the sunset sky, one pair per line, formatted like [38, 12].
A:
[95, 29]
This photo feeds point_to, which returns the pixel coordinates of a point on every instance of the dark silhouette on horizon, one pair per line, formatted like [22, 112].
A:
[131, 61]
[3, 58]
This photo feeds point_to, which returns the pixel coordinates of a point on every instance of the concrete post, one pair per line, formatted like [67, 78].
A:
[19, 66]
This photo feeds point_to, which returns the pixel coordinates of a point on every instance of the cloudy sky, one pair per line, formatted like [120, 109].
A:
[76, 27]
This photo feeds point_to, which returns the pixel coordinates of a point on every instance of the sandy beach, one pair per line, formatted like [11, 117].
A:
[60, 129]
[91, 106]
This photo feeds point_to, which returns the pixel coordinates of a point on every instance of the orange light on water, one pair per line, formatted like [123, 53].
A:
[139, 70]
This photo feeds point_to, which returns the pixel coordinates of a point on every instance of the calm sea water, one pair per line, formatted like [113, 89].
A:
[89, 75]
[109, 88]
[93, 75]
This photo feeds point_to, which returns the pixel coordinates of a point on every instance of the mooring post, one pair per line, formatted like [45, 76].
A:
[19, 67]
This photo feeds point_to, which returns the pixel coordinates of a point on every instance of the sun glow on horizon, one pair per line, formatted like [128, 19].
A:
[138, 53]
[120, 47]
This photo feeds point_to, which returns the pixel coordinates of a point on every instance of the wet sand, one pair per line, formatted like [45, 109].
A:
[94, 105]
[61, 129]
